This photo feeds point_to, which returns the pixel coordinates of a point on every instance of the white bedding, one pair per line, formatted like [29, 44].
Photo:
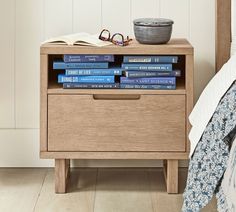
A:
[209, 99]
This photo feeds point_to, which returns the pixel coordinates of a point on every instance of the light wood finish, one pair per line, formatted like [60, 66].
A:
[122, 190]
[20, 188]
[91, 190]
[43, 102]
[54, 89]
[128, 123]
[223, 32]
[62, 168]
[189, 83]
[82, 187]
[171, 176]
[161, 201]
[116, 123]
[115, 155]
[175, 46]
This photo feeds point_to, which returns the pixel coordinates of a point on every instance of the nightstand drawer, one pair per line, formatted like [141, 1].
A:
[116, 123]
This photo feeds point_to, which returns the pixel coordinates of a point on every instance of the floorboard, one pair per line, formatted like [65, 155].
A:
[19, 189]
[170, 202]
[122, 190]
[91, 190]
[80, 196]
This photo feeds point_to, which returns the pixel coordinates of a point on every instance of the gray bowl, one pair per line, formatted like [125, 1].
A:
[153, 30]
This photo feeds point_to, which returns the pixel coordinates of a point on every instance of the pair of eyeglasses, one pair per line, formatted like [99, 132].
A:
[117, 38]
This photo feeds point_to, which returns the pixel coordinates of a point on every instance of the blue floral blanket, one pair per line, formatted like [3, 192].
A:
[211, 157]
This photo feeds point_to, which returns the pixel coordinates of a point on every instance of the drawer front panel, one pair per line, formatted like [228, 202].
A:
[116, 123]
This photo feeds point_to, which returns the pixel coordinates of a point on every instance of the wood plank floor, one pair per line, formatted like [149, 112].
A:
[91, 190]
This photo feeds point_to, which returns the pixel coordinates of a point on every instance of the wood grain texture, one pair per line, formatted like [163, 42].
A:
[223, 32]
[171, 176]
[61, 175]
[174, 47]
[43, 102]
[76, 123]
[115, 155]
[189, 83]
[57, 89]
[7, 61]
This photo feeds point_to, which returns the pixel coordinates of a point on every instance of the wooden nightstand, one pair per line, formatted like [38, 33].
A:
[116, 123]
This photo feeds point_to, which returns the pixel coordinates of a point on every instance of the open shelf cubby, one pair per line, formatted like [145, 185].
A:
[54, 87]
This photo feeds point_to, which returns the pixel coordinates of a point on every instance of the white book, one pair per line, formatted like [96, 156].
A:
[83, 39]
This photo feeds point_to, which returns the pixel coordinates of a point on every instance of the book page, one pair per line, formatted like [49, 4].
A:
[91, 40]
[66, 39]
[83, 39]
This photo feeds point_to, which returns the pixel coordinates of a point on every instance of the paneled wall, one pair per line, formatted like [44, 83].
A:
[25, 24]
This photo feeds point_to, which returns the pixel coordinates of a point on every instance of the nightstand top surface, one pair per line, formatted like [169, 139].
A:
[175, 46]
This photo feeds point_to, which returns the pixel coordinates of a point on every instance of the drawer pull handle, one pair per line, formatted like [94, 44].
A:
[116, 97]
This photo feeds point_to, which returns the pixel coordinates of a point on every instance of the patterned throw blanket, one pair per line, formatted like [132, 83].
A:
[227, 194]
[209, 161]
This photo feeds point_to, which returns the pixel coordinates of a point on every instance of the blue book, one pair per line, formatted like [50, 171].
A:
[151, 87]
[175, 73]
[89, 86]
[85, 79]
[92, 72]
[71, 58]
[62, 65]
[146, 67]
[150, 59]
[149, 81]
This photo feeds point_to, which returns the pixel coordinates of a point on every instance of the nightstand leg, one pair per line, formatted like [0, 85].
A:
[62, 169]
[171, 176]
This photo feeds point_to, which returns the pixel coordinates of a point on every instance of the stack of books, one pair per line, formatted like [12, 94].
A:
[149, 72]
[88, 71]
[101, 72]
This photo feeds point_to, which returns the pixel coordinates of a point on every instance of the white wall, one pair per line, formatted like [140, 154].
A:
[25, 23]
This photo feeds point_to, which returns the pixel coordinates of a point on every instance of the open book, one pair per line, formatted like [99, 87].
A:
[83, 39]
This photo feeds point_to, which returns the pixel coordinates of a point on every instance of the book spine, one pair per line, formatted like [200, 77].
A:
[70, 58]
[151, 81]
[88, 86]
[62, 65]
[176, 73]
[85, 79]
[147, 67]
[153, 87]
[92, 72]
[150, 59]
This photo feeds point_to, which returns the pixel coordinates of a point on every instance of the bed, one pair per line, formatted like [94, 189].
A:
[212, 167]
[225, 48]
